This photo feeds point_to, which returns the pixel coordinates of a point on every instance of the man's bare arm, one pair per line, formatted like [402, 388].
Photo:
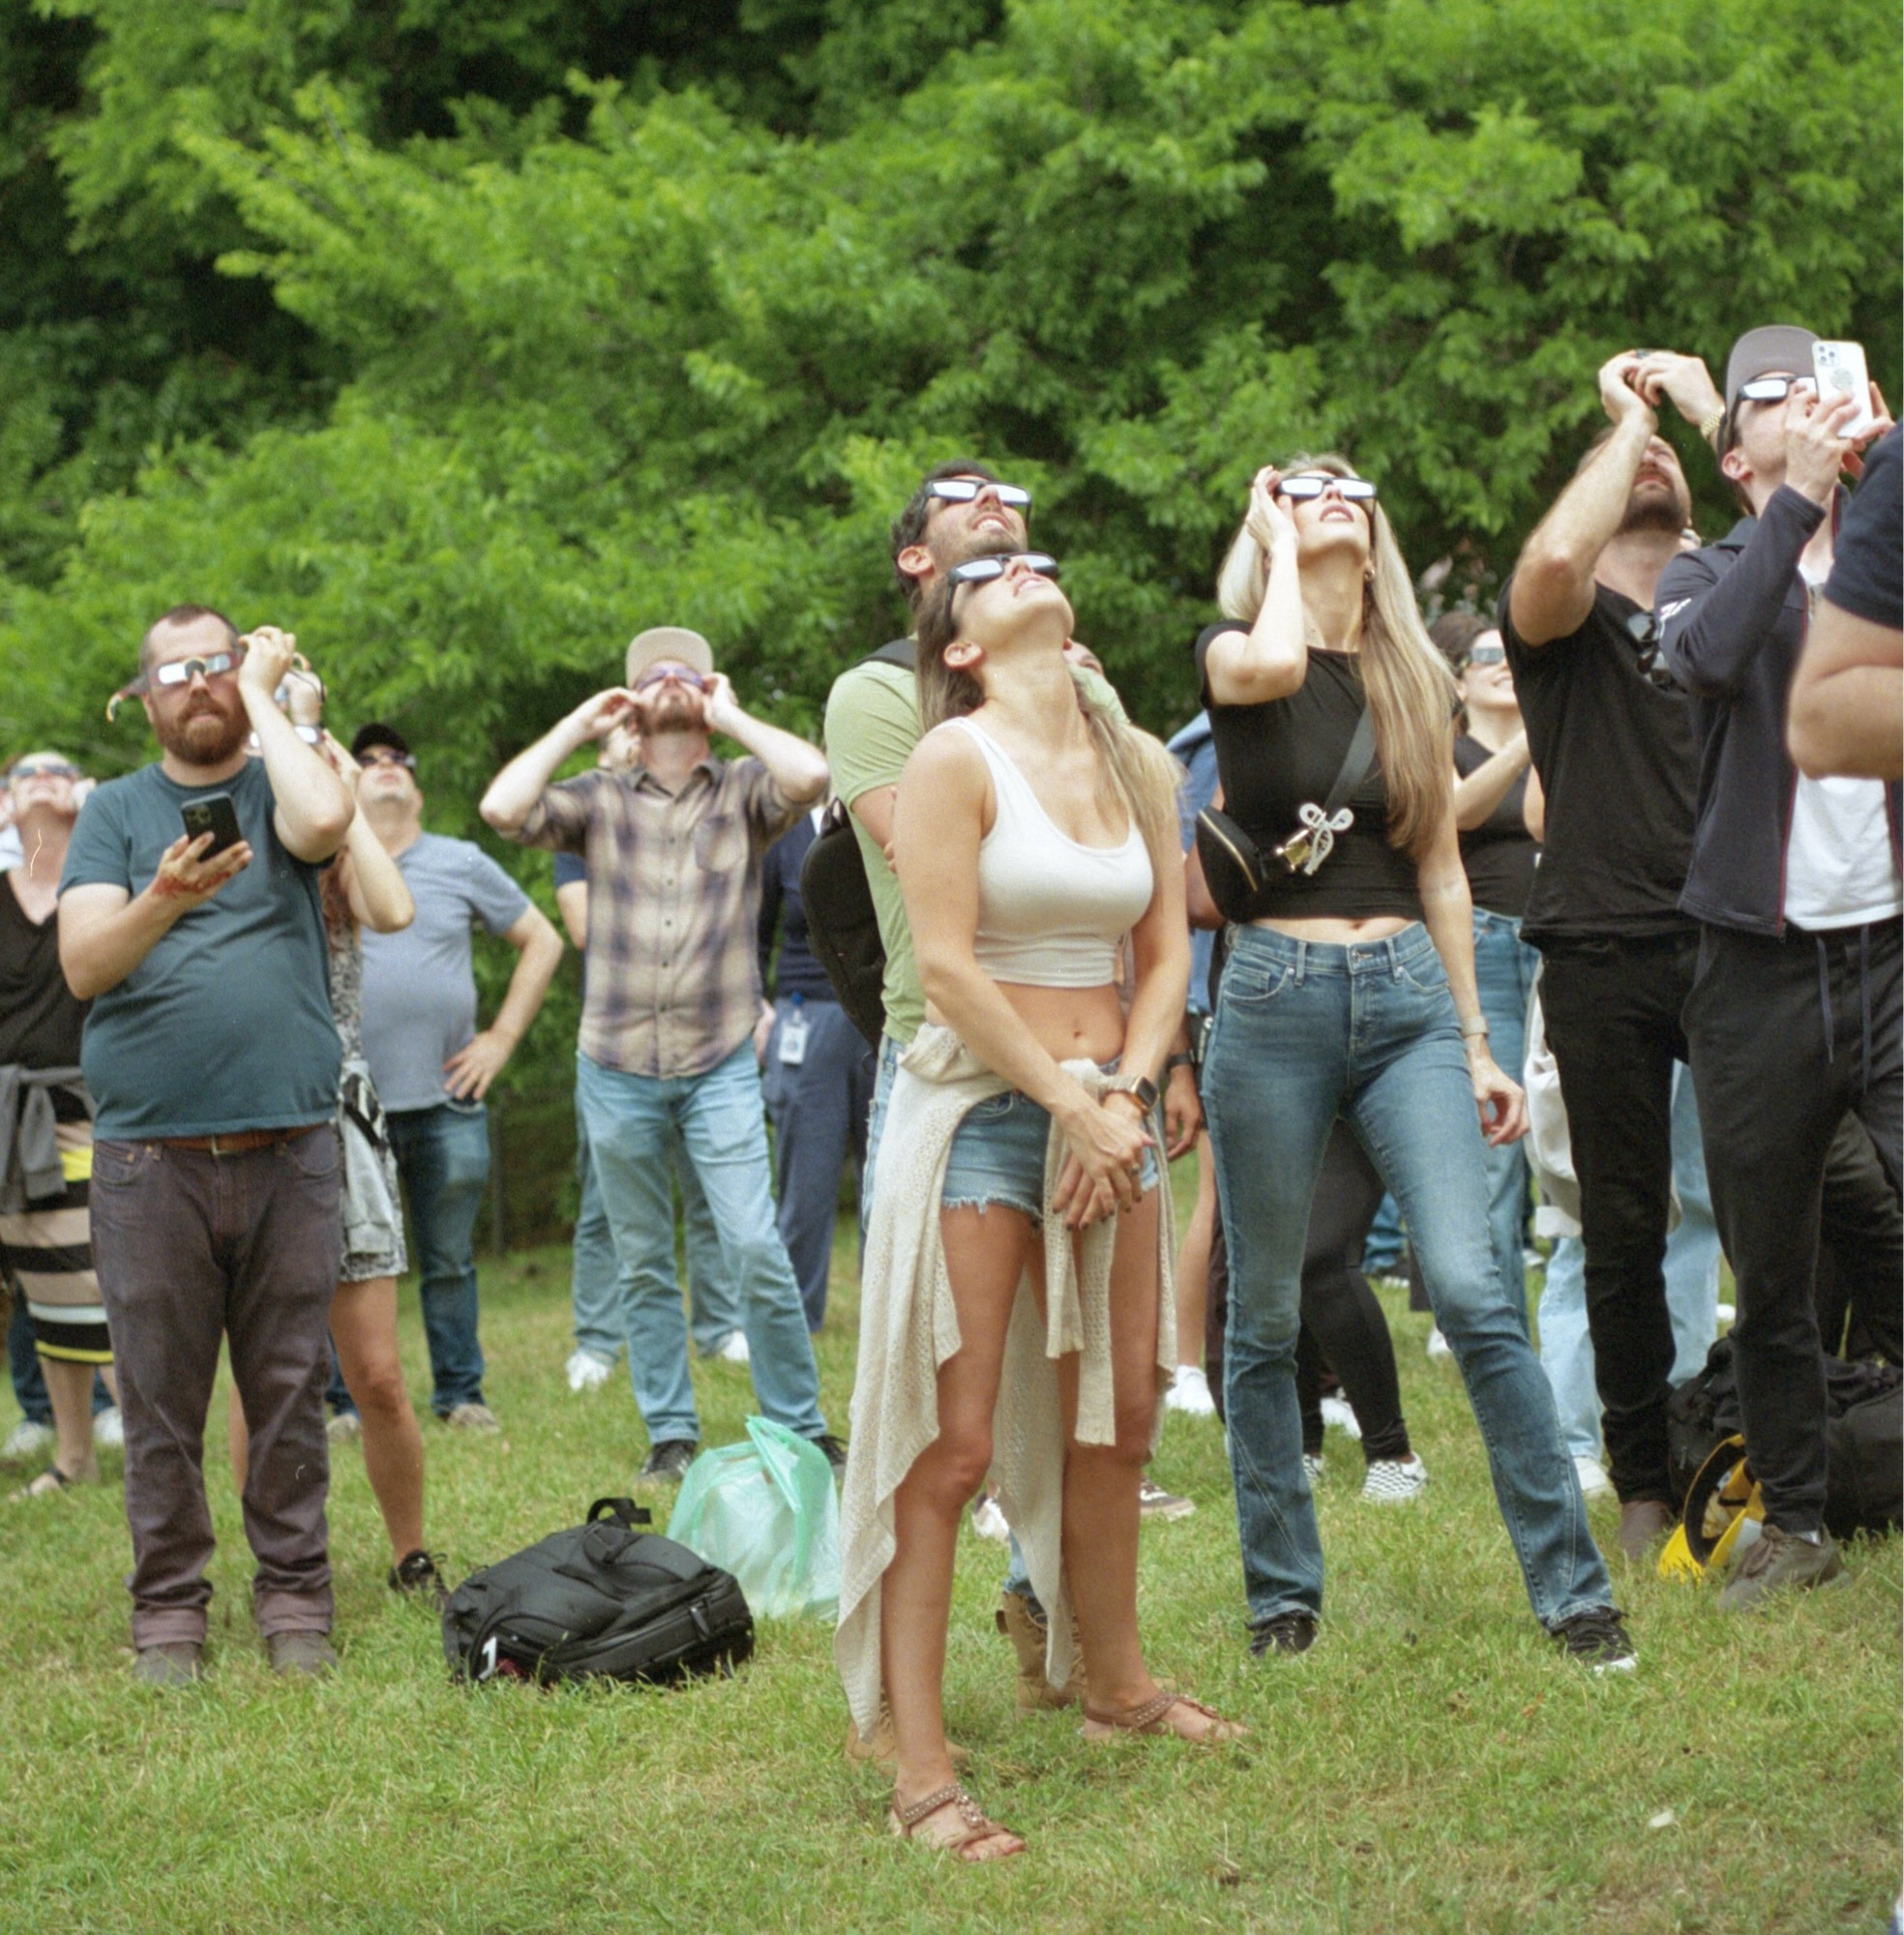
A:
[1847, 714]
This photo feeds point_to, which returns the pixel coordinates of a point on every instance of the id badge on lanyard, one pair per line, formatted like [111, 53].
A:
[793, 1035]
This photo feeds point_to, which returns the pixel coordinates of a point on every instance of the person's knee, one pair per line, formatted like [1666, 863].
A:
[377, 1389]
[954, 1466]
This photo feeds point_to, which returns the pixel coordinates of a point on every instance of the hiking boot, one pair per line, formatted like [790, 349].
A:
[1597, 1639]
[669, 1459]
[1025, 1625]
[472, 1416]
[179, 1663]
[416, 1577]
[1643, 1524]
[836, 1452]
[1777, 1561]
[1394, 1481]
[1153, 1502]
[1290, 1632]
[306, 1652]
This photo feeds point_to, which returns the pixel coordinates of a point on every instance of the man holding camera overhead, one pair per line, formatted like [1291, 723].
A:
[1793, 1018]
[189, 918]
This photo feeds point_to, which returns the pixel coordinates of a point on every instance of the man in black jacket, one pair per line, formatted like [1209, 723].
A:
[1794, 1012]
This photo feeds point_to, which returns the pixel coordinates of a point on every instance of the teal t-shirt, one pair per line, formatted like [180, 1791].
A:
[226, 1024]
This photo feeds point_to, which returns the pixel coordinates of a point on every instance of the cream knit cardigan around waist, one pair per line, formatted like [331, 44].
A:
[908, 1326]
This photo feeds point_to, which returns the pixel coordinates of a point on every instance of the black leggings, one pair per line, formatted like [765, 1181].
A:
[1342, 1320]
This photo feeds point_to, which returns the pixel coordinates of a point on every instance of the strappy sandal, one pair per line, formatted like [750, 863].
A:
[49, 1485]
[975, 1828]
[1151, 1718]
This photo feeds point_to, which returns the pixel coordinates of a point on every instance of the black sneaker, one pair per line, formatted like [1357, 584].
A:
[669, 1459]
[1283, 1632]
[1597, 1639]
[417, 1576]
[836, 1452]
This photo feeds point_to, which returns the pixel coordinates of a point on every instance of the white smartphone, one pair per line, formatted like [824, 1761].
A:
[1839, 368]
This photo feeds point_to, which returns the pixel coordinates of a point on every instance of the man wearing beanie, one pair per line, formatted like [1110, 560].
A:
[1794, 1013]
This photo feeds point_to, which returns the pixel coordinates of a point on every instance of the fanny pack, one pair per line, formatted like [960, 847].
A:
[1235, 867]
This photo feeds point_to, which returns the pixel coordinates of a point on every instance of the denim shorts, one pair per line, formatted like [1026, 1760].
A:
[999, 1156]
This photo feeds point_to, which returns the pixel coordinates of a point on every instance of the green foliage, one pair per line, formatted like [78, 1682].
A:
[533, 323]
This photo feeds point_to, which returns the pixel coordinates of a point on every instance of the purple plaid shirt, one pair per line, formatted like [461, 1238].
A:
[673, 986]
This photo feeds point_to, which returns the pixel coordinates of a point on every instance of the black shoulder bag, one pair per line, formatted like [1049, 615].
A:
[1235, 867]
[842, 926]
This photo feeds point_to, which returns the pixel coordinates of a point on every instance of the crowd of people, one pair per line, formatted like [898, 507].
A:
[1623, 852]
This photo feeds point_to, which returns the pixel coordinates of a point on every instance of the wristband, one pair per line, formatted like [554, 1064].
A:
[1475, 1028]
[1179, 1061]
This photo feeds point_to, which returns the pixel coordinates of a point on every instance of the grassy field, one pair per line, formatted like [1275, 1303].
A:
[1434, 1765]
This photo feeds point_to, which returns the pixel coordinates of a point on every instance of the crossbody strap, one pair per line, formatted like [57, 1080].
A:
[1356, 762]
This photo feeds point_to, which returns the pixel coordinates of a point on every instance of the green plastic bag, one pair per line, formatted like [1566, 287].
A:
[766, 1511]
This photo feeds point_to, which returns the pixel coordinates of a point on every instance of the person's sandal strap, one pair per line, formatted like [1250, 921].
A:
[977, 1827]
[1138, 1718]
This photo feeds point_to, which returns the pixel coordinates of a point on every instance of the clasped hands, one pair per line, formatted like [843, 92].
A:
[1108, 1135]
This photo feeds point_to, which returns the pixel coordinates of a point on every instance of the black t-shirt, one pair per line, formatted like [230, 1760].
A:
[1867, 572]
[1500, 853]
[40, 1020]
[1620, 765]
[1275, 758]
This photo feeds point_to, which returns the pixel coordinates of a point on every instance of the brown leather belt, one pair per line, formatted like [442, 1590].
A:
[243, 1139]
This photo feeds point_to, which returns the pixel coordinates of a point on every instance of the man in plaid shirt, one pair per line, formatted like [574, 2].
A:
[673, 850]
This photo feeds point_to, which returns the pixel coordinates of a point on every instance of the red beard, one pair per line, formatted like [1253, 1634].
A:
[205, 737]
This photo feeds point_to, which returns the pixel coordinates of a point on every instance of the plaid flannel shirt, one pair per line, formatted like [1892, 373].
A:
[674, 984]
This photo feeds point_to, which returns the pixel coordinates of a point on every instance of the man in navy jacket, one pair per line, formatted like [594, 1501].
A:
[1794, 1012]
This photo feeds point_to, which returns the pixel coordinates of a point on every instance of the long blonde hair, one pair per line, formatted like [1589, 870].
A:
[1410, 690]
[1133, 768]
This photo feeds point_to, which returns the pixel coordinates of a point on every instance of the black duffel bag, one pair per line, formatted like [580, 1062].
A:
[604, 1599]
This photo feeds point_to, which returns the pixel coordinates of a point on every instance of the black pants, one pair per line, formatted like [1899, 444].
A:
[1342, 1319]
[1613, 1021]
[1860, 1258]
[1788, 1037]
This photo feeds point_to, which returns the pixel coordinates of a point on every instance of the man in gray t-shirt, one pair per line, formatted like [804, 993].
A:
[429, 1063]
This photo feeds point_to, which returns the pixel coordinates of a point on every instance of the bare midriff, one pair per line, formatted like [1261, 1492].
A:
[1335, 931]
[1070, 1024]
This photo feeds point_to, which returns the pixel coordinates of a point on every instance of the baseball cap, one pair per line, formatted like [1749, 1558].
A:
[667, 642]
[376, 733]
[1776, 346]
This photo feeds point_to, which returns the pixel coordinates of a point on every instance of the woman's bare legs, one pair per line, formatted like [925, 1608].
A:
[986, 1252]
[363, 1328]
[1193, 1259]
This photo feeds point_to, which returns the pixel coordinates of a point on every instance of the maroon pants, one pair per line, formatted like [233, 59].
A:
[189, 1248]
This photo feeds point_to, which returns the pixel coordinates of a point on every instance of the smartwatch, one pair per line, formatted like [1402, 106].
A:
[1140, 1086]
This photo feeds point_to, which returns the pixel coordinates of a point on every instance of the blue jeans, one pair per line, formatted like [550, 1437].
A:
[601, 1323]
[1305, 1033]
[443, 1157]
[720, 1121]
[1692, 1288]
[885, 1065]
[1504, 968]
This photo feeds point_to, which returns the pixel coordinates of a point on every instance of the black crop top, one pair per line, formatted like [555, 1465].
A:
[1274, 758]
[1498, 853]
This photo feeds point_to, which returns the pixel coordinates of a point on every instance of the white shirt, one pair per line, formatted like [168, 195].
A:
[1838, 865]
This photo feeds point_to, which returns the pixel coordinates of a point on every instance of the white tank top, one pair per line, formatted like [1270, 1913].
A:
[1052, 913]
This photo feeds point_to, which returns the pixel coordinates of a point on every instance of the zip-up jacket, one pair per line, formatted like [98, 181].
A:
[1732, 623]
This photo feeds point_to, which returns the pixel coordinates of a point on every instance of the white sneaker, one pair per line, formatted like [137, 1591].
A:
[1724, 1313]
[1394, 1481]
[1339, 1415]
[109, 1430]
[344, 1426]
[989, 1521]
[1190, 1393]
[734, 1350]
[26, 1439]
[588, 1370]
[1438, 1345]
[1314, 1469]
[1593, 1476]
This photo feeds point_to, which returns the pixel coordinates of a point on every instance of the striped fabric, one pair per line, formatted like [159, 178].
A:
[49, 1251]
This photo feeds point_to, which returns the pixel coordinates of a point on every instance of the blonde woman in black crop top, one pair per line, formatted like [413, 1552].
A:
[1349, 991]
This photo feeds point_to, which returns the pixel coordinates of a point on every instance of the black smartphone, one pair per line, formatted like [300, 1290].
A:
[215, 815]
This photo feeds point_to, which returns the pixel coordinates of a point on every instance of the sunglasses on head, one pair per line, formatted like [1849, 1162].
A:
[655, 673]
[1354, 490]
[963, 490]
[982, 570]
[43, 770]
[1488, 655]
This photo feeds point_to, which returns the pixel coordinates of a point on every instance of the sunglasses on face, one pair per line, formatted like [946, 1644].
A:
[386, 756]
[982, 570]
[180, 672]
[43, 770]
[1772, 389]
[1488, 655]
[1353, 489]
[963, 490]
[655, 673]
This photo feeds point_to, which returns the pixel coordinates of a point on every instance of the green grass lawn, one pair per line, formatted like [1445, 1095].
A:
[1434, 1765]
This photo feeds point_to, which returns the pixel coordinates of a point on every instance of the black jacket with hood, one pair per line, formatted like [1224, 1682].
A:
[1732, 624]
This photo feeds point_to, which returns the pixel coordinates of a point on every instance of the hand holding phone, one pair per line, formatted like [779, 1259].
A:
[213, 813]
[1840, 372]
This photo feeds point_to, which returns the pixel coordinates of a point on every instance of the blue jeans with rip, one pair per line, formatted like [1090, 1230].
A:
[1692, 1287]
[601, 1323]
[443, 1158]
[1305, 1033]
[720, 1123]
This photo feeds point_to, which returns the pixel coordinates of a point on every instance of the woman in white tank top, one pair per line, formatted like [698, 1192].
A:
[1033, 835]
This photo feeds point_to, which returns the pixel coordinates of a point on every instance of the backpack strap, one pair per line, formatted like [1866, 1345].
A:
[626, 1510]
[901, 652]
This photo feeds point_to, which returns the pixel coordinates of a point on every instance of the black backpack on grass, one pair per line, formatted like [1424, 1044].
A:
[604, 1599]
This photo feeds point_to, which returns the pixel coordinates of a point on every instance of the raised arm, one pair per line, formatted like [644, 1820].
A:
[313, 808]
[513, 793]
[1271, 658]
[374, 883]
[798, 770]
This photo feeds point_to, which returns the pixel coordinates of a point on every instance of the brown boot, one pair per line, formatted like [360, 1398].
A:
[1643, 1524]
[879, 1749]
[1025, 1628]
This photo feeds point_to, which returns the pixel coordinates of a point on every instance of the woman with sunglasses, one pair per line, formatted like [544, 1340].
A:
[1015, 1306]
[1349, 990]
